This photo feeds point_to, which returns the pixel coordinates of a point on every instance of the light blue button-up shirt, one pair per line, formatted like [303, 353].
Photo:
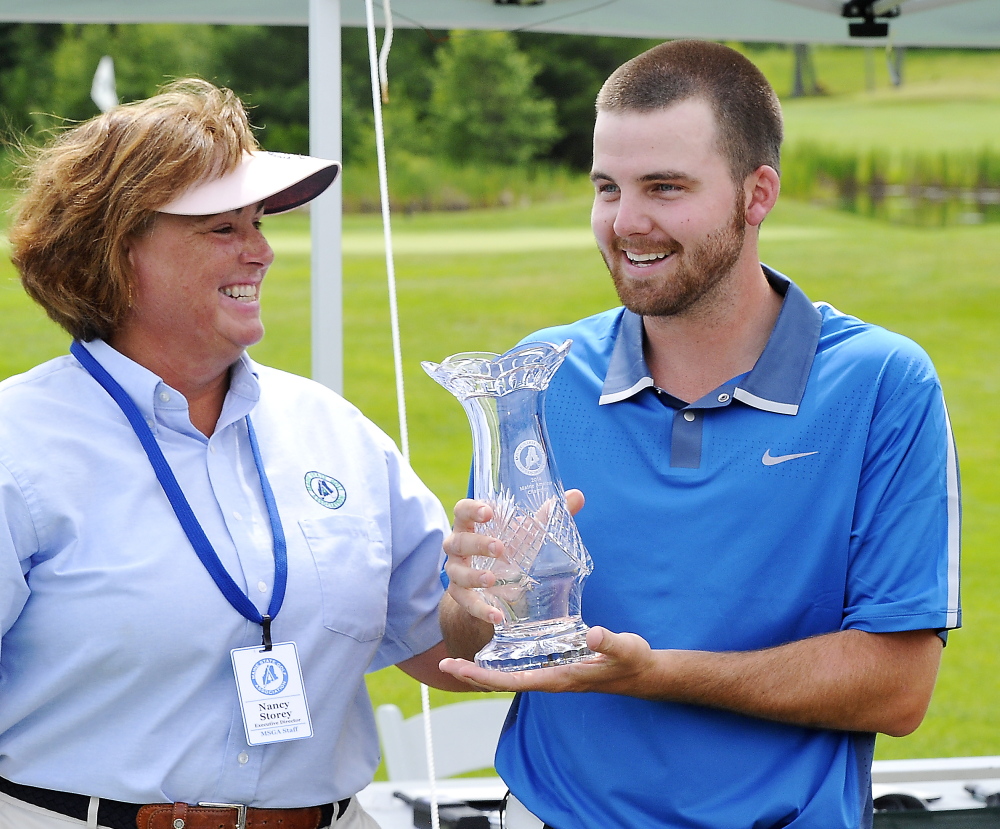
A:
[115, 670]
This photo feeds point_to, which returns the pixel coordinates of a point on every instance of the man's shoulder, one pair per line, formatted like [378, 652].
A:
[875, 361]
[860, 340]
[594, 332]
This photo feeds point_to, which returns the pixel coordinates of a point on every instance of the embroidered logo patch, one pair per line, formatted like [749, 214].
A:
[325, 490]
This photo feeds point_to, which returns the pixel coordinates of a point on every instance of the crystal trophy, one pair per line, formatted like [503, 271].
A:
[539, 579]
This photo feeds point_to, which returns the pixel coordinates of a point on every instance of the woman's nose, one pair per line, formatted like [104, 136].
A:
[258, 249]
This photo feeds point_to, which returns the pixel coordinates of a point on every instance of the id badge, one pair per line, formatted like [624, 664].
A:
[272, 696]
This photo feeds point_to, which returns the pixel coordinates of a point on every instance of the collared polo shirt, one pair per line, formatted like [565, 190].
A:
[776, 383]
[115, 670]
[817, 492]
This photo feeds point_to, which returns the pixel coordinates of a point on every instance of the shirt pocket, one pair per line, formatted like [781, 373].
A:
[354, 569]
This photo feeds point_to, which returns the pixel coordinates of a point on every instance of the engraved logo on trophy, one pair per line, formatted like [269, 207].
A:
[529, 457]
[540, 578]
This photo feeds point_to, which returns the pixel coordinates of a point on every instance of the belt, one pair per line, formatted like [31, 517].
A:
[117, 815]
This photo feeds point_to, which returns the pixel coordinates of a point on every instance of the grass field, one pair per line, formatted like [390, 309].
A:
[480, 280]
[842, 72]
[465, 282]
[947, 101]
[462, 288]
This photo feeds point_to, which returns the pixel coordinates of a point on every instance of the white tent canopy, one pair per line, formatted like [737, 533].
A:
[952, 23]
[943, 23]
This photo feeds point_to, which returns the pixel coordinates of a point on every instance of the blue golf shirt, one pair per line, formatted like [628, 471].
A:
[818, 492]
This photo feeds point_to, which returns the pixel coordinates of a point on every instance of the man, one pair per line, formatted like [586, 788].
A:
[773, 500]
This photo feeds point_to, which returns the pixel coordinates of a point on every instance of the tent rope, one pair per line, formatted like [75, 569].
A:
[379, 66]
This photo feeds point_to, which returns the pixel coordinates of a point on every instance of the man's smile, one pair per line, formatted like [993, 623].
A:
[643, 259]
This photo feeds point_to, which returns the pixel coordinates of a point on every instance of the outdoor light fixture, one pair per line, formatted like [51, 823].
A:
[868, 10]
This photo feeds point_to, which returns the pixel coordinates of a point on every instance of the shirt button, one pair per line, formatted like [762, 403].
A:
[164, 396]
[262, 587]
[723, 398]
[244, 758]
[689, 416]
[211, 448]
[238, 516]
[149, 422]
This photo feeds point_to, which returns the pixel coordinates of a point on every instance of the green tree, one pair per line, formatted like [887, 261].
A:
[406, 113]
[145, 57]
[573, 68]
[268, 67]
[484, 105]
[25, 74]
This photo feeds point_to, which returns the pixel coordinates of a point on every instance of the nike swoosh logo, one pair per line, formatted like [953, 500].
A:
[771, 460]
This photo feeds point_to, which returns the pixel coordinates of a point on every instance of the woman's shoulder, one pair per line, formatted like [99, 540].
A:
[293, 391]
[45, 382]
[288, 397]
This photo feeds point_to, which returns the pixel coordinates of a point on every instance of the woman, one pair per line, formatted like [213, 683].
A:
[200, 556]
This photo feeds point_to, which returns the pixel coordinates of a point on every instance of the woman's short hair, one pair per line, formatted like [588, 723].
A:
[100, 183]
[746, 108]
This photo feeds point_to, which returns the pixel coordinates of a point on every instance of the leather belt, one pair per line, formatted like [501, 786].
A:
[117, 815]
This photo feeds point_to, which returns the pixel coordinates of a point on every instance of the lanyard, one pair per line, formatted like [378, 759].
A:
[182, 509]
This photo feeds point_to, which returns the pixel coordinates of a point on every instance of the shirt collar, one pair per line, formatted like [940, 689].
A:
[775, 384]
[151, 394]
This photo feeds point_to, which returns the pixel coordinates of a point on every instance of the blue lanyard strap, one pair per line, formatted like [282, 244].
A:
[182, 509]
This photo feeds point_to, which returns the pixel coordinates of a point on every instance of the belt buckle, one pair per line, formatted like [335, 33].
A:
[241, 811]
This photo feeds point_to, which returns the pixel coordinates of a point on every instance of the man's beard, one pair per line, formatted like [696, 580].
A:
[698, 271]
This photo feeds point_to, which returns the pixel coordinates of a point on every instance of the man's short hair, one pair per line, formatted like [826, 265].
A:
[99, 185]
[746, 108]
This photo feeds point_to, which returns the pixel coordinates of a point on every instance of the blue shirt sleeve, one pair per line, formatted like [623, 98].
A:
[903, 566]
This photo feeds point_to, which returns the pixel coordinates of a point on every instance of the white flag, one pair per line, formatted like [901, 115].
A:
[102, 90]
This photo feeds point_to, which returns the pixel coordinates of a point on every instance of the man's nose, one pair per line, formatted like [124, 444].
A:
[632, 216]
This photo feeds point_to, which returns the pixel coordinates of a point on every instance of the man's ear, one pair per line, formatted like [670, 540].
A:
[761, 189]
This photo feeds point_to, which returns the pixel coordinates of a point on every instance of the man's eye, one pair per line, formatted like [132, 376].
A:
[224, 229]
[607, 188]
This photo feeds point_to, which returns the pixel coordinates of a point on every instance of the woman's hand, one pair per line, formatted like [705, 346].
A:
[465, 581]
[461, 546]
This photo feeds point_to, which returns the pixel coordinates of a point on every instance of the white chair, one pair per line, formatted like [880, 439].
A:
[464, 734]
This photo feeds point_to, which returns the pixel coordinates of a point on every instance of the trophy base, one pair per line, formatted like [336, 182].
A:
[532, 645]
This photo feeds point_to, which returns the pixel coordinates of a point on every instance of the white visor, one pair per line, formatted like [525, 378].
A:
[279, 180]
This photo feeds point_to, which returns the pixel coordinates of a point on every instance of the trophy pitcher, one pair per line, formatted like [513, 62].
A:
[539, 579]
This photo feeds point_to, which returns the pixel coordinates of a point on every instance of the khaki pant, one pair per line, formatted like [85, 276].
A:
[515, 816]
[15, 814]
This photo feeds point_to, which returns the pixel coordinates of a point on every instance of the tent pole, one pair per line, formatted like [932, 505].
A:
[325, 141]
